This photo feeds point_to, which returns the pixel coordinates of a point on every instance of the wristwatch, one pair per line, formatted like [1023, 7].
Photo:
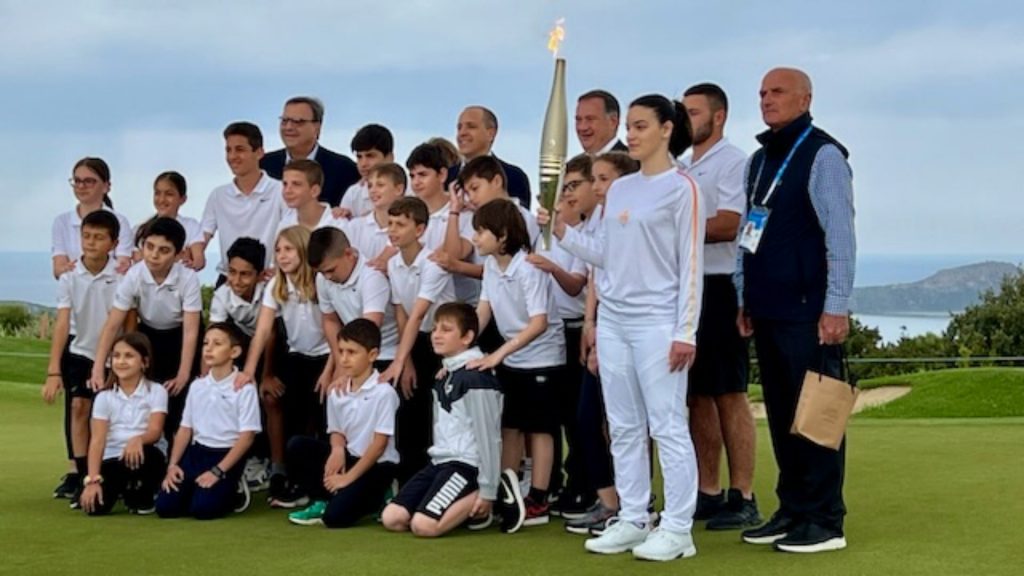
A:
[92, 480]
[216, 471]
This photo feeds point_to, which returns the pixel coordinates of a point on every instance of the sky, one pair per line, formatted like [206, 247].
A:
[928, 96]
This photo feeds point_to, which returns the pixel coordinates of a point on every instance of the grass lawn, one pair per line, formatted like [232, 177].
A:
[926, 496]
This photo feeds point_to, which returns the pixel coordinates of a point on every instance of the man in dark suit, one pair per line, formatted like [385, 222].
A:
[597, 123]
[300, 131]
[475, 134]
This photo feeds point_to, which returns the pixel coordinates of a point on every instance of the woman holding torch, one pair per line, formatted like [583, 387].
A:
[650, 245]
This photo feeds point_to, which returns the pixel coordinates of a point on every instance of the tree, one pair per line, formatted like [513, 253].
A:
[994, 326]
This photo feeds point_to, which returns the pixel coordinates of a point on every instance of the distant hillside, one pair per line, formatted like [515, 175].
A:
[946, 291]
[32, 308]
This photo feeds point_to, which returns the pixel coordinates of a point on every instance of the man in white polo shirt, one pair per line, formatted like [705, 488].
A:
[251, 204]
[718, 379]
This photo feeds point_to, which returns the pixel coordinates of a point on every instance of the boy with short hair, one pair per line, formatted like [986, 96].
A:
[348, 477]
[85, 295]
[251, 204]
[369, 234]
[373, 145]
[481, 180]
[418, 287]
[348, 289]
[237, 301]
[204, 471]
[462, 480]
[165, 294]
[302, 181]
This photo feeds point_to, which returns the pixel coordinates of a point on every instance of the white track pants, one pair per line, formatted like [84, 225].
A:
[640, 394]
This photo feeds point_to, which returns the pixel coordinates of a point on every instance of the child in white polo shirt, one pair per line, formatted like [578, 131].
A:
[238, 300]
[347, 477]
[127, 452]
[531, 361]
[217, 428]
[169, 194]
[251, 204]
[90, 181]
[418, 287]
[85, 295]
[372, 145]
[166, 296]
[291, 394]
[462, 480]
[348, 289]
[369, 234]
[302, 181]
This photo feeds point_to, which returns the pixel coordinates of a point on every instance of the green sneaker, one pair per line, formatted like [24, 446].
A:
[309, 516]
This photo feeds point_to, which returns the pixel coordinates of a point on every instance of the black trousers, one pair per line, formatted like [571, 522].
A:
[137, 487]
[306, 457]
[166, 345]
[216, 501]
[574, 464]
[595, 453]
[810, 483]
[413, 421]
[303, 413]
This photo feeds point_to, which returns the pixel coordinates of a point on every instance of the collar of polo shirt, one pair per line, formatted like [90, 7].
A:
[228, 381]
[513, 265]
[259, 190]
[689, 164]
[371, 383]
[169, 282]
[141, 390]
[257, 296]
[353, 278]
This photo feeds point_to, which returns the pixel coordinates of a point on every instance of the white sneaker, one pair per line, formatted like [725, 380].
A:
[617, 538]
[663, 545]
[256, 474]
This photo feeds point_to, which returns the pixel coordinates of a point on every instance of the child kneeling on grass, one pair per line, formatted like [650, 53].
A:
[348, 478]
[462, 480]
[127, 450]
[217, 428]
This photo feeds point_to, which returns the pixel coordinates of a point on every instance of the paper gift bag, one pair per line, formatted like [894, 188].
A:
[823, 410]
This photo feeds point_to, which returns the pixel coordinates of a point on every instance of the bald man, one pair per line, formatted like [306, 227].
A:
[798, 252]
[475, 133]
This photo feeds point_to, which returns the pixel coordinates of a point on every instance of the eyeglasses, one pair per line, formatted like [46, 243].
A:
[297, 122]
[86, 182]
[572, 185]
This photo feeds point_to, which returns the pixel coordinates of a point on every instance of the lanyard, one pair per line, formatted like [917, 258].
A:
[782, 168]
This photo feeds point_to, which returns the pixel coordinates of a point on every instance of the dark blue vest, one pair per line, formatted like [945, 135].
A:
[786, 279]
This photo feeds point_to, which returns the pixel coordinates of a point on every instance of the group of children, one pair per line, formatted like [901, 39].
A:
[419, 334]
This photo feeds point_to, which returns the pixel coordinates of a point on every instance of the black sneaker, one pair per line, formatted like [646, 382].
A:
[738, 513]
[291, 499]
[571, 506]
[809, 538]
[482, 523]
[595, 519]
[68, 485]
[278, 487]
[709, 506]
[76, 499]
[776, 529]
[513, 508]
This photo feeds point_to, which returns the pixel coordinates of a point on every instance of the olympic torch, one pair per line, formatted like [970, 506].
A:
[554, 138]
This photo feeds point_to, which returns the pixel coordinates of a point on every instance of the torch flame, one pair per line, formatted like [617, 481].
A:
[556, 36]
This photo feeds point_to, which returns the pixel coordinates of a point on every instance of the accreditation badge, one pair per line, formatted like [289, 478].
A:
[750, 236]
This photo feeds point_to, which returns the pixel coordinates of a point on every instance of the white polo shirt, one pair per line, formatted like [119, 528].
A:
[302, 320]
[226, 305]
[367, 236]
[290, 218]
[128, 416]
[66, 235]
[89, 298]
[360, 414]
[160, 306]
[466, 289]
[569, 307]
[235, 215]
[366, 291]
[357, 199]
[421, 279]
[516, 294]
[217, 413]
[719, 174]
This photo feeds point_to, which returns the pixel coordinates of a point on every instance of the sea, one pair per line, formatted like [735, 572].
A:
[26, 276]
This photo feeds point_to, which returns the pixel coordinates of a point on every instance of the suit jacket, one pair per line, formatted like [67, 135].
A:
[518, 184]
[340, 172]
[619, 147]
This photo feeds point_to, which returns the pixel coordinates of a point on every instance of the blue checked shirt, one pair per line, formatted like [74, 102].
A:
[831, 191]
